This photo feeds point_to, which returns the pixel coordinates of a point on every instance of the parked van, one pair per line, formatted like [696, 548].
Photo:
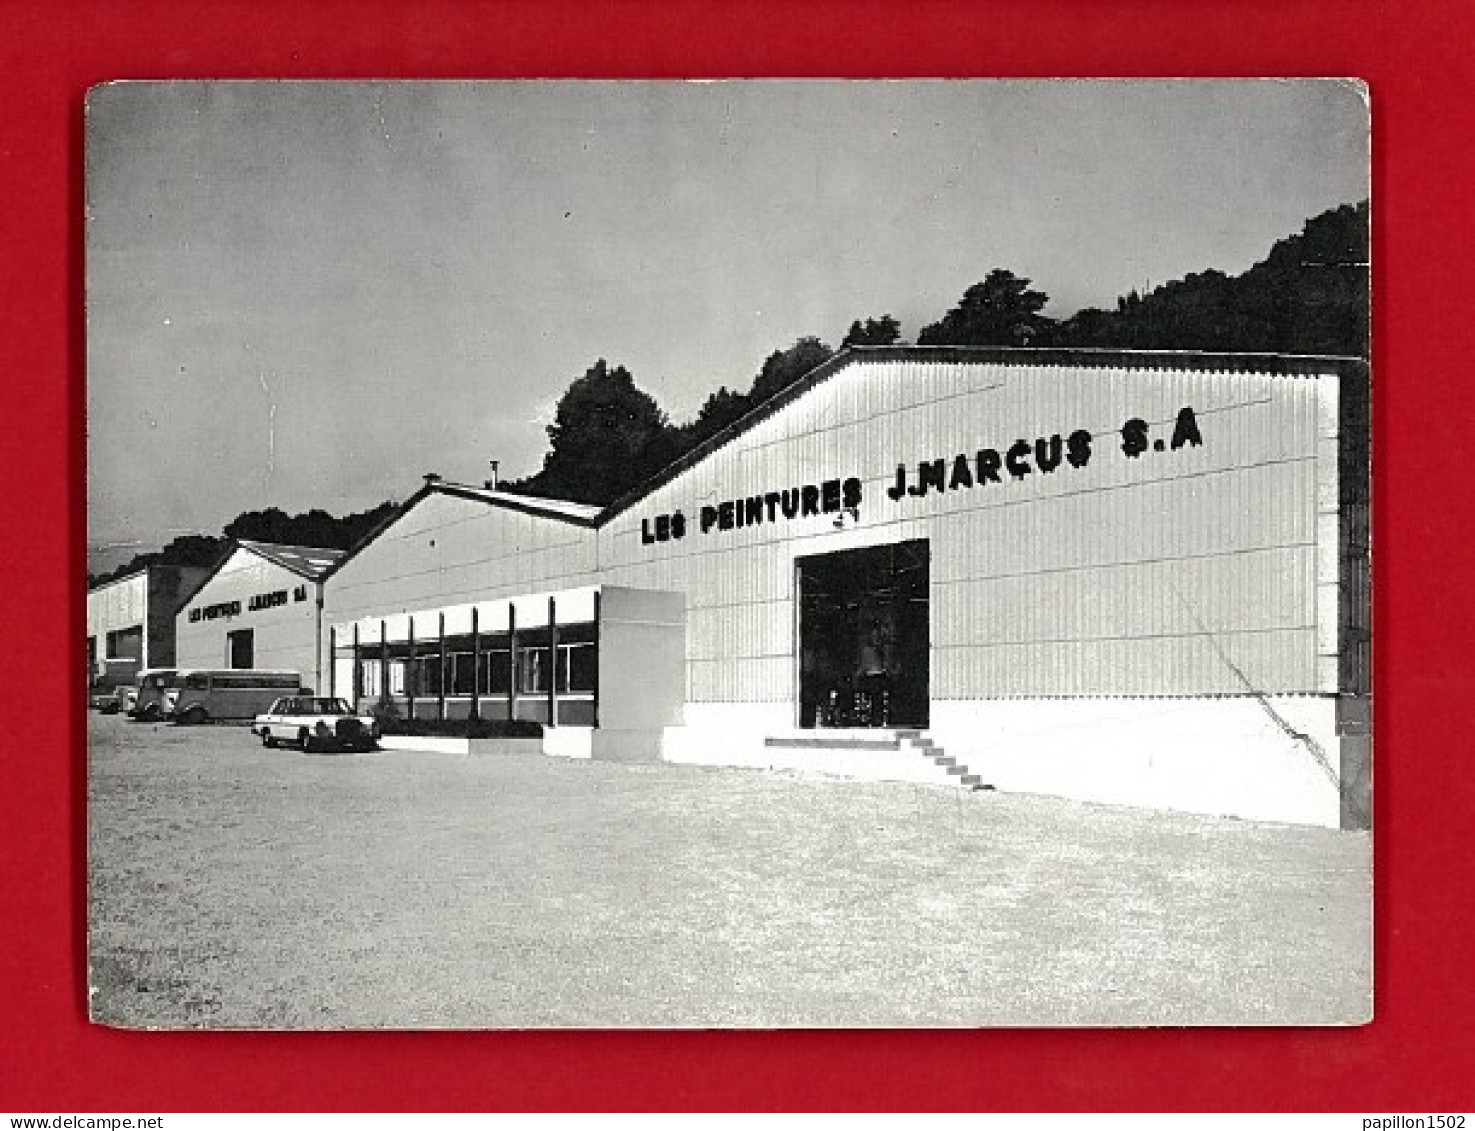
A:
[146, 698]
[204, 695]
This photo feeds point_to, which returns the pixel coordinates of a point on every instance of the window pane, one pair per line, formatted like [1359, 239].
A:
[429, 676]
[463, 675]
[496, 676]
[583, 667]
[532, 664]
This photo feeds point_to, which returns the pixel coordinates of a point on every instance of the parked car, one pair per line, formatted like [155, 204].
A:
[316, 724]
[104, 702]
[148, 693]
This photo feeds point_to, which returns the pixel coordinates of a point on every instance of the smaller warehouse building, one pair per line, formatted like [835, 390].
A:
[130, 622]
[261, 607]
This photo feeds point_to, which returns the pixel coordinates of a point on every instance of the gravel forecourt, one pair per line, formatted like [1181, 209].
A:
[238, 887]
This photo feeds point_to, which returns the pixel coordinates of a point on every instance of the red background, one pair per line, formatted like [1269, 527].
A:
[1415, 1057]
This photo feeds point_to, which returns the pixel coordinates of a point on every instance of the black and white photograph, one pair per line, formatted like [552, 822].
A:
[752, 554]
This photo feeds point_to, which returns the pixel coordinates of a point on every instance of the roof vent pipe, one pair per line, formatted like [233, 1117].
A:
[491, 484]
[432, 477]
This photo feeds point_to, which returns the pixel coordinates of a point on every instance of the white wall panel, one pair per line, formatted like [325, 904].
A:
[118, 605]
[1163, 574]
[283, 636]
[449, 550]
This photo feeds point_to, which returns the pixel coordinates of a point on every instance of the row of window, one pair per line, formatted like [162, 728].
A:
[527, 637]
[576, 669]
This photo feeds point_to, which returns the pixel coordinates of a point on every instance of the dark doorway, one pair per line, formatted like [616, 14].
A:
[864, 637]
[125, 644]
[240, 647]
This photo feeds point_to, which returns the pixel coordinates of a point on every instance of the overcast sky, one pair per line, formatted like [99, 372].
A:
[308, 295]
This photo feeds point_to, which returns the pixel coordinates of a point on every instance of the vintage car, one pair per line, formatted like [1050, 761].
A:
[144, 699]
[316, 724]
[104, 702]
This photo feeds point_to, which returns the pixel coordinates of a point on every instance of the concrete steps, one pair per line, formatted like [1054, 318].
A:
[870, 743]
[924, 746]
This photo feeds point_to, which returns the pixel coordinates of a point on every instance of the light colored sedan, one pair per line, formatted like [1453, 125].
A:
[316, 724]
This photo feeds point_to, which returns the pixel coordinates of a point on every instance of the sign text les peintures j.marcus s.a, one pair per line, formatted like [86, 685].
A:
[1043, 456]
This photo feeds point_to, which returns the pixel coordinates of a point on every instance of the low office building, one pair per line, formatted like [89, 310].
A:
[130, 622]
[260, 607]
[1121, 576]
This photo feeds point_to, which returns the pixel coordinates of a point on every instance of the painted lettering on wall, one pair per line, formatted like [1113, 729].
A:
[1185, 431]
[833, 496]
[1022, 458]
[990, 465]
[1043, 455]
[272, 600]
[216, 611]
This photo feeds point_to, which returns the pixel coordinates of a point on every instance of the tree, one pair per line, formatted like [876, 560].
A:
[724, 407]
[361, 524]
[312, 528]
[783, 367]
[1000, 311]
[192, 550]
[881, 331]
[1308, 296]
[606, 437]
[270, 525]
[186, 550]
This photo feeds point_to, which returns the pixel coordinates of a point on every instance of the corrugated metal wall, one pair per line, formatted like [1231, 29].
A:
[449, 550]
[1180, 572]
[115, 606]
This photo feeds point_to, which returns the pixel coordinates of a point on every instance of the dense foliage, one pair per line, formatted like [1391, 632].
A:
[1000, 311]
[881, 331]
[312, 528]
[606, 436]
[1308, 296]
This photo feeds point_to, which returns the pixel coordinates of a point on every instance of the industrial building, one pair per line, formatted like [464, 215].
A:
[1130, 577]
[131, 621]
[260, 607]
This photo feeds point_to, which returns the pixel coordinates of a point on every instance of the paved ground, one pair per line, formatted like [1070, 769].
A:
[242, 887]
